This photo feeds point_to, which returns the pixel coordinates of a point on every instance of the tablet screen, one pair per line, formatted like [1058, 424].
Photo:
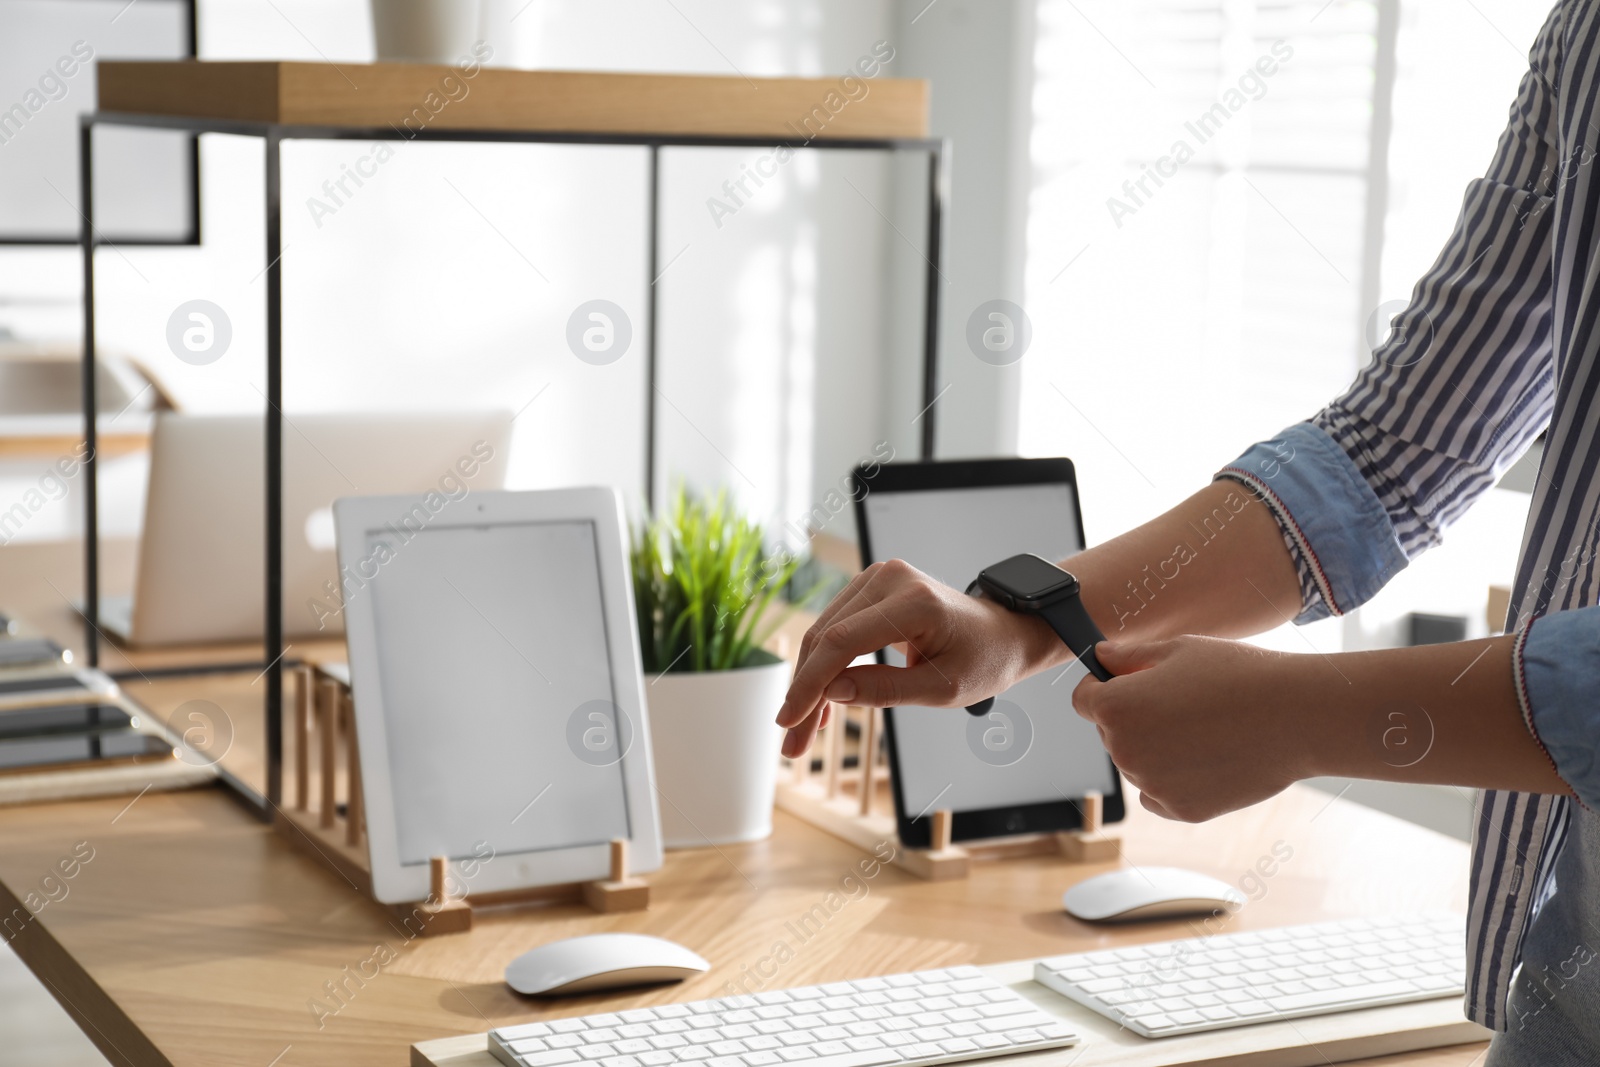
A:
[494, 642]
[1033, 748]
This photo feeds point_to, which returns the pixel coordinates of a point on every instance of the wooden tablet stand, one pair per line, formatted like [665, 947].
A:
[336, 835]
[844, 803]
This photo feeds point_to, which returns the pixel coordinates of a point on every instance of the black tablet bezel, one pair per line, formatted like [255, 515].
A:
[915, 829]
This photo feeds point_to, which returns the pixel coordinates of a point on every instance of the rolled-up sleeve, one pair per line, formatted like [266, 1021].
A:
[1459, 389]
[1337, 530]
[1557, 666]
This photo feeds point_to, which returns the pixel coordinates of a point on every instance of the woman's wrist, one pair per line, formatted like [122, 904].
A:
[1310, 705]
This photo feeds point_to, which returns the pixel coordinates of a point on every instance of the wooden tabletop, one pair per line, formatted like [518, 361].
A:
[196, 935]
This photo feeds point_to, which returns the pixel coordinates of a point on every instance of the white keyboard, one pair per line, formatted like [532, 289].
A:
[902, 1019]
[1207, 983]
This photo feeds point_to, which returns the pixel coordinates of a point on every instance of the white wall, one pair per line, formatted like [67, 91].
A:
[979, 56]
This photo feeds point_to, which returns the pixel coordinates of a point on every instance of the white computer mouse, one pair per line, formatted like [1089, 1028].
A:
[600, 961]
[1148, 893]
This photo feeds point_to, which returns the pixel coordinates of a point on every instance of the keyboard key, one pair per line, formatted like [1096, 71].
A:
[514, 1033]
[1007, 1007]
[553, 1058]
[1320, 998]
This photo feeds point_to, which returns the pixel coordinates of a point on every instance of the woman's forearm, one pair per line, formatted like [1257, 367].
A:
[1216, 565]
[1444, 714]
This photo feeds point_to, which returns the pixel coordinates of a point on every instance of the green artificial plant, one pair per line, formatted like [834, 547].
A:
[702, 583]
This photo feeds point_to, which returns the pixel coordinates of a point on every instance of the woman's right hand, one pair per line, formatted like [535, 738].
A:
[959, 649]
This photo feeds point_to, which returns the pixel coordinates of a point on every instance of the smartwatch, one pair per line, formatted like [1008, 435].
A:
[1033, 585]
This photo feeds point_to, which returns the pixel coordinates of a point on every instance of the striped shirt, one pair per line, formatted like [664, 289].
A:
[1499, 342]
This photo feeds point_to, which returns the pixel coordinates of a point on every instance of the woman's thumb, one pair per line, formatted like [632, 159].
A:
[1124, 657]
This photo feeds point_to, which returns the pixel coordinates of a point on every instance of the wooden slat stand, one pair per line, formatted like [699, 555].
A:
[443, 914]
[1094, 843]
[845, 802]
[620, 892]
[326, 820]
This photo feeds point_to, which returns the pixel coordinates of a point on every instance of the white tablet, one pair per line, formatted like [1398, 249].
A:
[499, 700]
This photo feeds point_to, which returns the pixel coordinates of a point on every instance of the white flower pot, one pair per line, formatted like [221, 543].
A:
[425, 31]
[716, 745]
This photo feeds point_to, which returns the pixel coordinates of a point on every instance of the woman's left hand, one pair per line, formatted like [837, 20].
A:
[1202, 726]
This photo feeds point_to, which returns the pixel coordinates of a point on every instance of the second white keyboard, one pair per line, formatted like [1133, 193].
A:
[906, 1020]
[1208, 983]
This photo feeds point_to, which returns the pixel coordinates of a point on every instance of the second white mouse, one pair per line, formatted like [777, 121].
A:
[601, 961]
[1148, 893]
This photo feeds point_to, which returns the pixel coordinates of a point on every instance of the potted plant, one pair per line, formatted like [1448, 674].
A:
[703, 581]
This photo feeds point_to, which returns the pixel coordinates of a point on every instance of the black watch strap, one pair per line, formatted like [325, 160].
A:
[1071, 622]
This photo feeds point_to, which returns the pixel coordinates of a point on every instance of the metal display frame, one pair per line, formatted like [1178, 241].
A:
[272, 664]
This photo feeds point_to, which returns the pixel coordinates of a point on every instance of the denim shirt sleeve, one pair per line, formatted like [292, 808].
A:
[1340, 535]
[1556, 661]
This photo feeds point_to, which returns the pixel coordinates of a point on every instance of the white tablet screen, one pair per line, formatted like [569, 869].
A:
[493, 640]
[1037, 750]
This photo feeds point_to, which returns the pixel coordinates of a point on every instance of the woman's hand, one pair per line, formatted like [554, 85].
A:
[959, 649]
[1200, 724]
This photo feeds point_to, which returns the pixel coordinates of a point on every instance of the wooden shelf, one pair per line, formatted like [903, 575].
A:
[384, 94]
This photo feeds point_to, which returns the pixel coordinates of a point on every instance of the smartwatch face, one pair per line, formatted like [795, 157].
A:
[1030, 578]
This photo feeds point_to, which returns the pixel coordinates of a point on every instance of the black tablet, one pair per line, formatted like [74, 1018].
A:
[1018, 769]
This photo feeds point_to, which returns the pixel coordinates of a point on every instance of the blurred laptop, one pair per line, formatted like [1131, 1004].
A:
[201, 571]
